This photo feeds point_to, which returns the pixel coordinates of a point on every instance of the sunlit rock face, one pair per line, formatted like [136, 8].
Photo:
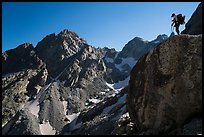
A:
[165, 87]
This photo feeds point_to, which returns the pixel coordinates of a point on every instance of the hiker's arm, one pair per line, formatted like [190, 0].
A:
[172, 23]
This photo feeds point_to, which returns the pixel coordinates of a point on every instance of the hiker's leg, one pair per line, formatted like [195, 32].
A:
[177, 27]
[177, 30]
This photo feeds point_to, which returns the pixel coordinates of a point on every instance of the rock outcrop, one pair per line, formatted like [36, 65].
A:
[99, 119]
[194, 25]
[15, 88]
[124, 126]
[25, 124]
[165, 87]
[22, 57]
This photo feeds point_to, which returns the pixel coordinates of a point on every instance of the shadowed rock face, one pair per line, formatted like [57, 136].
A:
[165, 87]
[194, 25]
[22, 73]
[22, 57]
[102, 119]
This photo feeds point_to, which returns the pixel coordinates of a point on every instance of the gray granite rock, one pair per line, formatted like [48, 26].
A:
[165, 87]
[194, 25]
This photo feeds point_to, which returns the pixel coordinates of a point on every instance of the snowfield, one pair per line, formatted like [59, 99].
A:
[73, 116]
[110, 60]
[34, 108]
[47, 129]
[64, 103]
[119, 85]
[73, 119]
[130, 61]
[120, 101]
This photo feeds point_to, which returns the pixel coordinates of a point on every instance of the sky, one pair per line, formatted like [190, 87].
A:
[101, 24]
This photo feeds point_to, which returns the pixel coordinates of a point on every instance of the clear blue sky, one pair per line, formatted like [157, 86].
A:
[101, 24]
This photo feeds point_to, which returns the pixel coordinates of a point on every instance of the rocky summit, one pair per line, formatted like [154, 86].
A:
[64, 86]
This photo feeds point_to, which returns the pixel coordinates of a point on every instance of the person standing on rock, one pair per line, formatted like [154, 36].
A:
[177, 21]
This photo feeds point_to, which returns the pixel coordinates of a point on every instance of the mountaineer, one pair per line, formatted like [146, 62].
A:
[177, 21]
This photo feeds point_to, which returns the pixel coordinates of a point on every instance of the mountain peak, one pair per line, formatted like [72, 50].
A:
[161, 37]
[67, 34]
[138, 39]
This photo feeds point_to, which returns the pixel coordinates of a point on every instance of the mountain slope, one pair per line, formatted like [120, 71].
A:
[122, 62]
[60, 79]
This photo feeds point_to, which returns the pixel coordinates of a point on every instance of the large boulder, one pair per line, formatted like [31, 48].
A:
[165, 87]
[194, 25]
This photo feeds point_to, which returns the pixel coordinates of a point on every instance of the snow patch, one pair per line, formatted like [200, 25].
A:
[73, 124]
[116, 55]
[73, 116]
[107, 89]
[156, 42]
[130, 61]
[119, 85]
[110, 86]
[110, 60]
[34, 108]
[94, 100]
[103, 93]
[120, 101]
[112, 95]
[47, 129]
[64, 103]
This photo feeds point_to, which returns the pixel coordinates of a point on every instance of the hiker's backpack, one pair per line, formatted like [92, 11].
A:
[181, 19]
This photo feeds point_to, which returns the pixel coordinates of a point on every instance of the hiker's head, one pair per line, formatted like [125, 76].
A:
[173, 15]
